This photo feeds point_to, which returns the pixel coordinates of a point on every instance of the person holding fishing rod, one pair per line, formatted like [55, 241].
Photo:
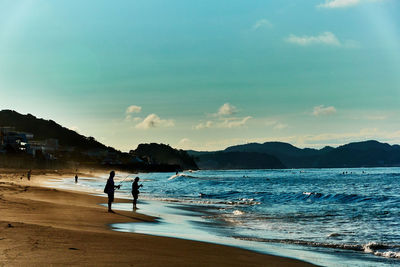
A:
[109, 190]
[135, 191]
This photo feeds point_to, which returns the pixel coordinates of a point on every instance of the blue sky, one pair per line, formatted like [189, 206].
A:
[206, 74]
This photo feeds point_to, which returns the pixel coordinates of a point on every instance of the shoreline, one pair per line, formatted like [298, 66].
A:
[44, 226]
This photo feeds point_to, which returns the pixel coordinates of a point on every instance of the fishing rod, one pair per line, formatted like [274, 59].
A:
[123, 180]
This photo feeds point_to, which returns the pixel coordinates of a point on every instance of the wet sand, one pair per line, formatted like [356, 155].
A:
[41, 226]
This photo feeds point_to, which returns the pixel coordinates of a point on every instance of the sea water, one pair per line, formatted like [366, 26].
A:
[332, 217]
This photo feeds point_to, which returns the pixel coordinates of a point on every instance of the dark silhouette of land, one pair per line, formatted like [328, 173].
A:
[236, 160]
[358, 154]
[30, 142]
[48, 129]
[166, 155]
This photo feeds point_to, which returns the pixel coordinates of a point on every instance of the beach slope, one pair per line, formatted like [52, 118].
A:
[42, 226]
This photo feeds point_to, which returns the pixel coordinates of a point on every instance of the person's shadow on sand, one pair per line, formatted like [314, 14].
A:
[131, 217]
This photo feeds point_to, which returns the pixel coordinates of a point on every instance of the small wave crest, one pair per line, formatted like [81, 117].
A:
[382, 250]
[388, 254]
[342, 198]
[237, 212]
[334, 235]
[246, 202]
[182, 175]
[378, 249]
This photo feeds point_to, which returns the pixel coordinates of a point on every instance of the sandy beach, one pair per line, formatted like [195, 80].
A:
[43, 226]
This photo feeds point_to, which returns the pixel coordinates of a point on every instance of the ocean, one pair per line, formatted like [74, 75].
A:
[330, 217]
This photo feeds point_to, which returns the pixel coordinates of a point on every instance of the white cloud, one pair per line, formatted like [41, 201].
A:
[344, 3]
[326, 38]
[133, 109]
[339, 3]
[376, 117]
[322, 110]
[153, 121]
[276, 125]
[203, 125]
[223, 119]
[262, 23]
[234, 122]
[226, 110]
[223, 123]
[280, 126]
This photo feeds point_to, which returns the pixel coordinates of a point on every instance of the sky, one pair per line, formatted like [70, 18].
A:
[205, 75]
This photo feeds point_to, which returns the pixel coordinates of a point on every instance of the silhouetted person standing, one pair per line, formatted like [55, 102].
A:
[76, 178]
[29, 175]
[109, 190]
[135, 191]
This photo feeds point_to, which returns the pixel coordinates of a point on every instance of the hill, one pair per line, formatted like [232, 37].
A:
[73, 147]
[359, 154]
[164, 154]
[362, 154]
[48, 129]
[53, 145]
[236, 160]
[290, 155]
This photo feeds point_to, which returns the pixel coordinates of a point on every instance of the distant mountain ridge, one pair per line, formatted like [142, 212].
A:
[269, 155]
[290, 155]
[358, 154]
[236, 160]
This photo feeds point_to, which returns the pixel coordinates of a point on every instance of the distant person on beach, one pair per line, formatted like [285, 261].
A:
[109, 190]
[135, 191]
[76, 178]
[29, 175]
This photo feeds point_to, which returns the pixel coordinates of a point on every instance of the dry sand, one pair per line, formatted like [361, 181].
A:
[42, 226]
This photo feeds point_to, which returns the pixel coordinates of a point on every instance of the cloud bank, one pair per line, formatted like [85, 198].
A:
[204, 125]
[226, 110]
[234, 122]
[280, 126]
[276, 125]
[344, 3]
[322, 110]
[154, 121]
[131, 110]
[262, 23]
[326, 38]
[224, 119]
[339, 3]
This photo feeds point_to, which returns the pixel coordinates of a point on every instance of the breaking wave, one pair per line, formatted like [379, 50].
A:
[342, 198]
[181, 176]
[378, 249]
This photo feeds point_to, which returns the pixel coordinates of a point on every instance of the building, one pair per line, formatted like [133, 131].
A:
[45, 147]
[13, 141]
